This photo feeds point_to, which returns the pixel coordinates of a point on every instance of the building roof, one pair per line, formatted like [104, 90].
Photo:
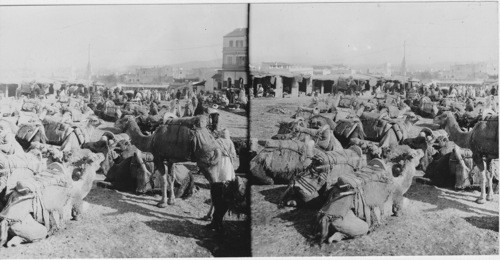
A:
[288, 74]
[276, 63]
[237, 33]
[321, 67]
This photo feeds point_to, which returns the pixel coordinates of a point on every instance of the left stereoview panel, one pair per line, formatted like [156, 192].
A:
[121, 129]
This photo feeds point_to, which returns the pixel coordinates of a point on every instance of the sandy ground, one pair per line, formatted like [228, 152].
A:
[436, 221]
[119, 224]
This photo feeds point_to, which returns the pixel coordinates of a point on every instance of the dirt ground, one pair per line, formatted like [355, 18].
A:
[436, 221]
[119, 224]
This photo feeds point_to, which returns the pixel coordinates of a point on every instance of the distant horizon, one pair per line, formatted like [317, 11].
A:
[375, 33]
[130, 68]
[51, 38]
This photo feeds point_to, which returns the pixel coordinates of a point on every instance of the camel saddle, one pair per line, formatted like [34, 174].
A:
[426, 105]
[29, 106]
[28, 131]
[57, 132]
[347, 102]
[358, 184]
[375, 170]
[346, 127]
[376, 125]
[333, 163]
[352, 157]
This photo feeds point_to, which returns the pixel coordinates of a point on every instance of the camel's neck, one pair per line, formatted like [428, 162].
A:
[458, 136]
[142, 142]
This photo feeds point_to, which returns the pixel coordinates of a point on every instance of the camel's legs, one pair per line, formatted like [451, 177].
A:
[163, 180]
[482, 199]
[170, 182]
[489, 196]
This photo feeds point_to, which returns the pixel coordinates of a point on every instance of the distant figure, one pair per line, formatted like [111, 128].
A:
[260, 91]
[367, 85]
[315, 97]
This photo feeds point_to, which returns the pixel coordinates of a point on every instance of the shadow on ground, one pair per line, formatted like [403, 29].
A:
[444, 199]
[235, 242]
[273, 195]
[304, 221]
[486, 222]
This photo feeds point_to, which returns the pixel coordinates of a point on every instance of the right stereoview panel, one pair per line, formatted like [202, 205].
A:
[375, 127]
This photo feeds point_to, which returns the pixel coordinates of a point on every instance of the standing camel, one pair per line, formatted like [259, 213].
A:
[179, 140]
[482, 140]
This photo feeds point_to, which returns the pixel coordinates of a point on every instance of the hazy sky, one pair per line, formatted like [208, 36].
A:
[372, 33]
[50, 37]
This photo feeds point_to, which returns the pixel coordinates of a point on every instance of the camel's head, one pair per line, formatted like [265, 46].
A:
[94, 121]
[317, 122]
[103, 147]
[83, 164]
[406, 162]
[122, 145]
[411, 117]
[443, 119]
[403, 169]
[124, 123]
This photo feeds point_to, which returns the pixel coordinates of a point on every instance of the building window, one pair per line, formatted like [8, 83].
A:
[230, 43]
[241, 60]
[229, 59]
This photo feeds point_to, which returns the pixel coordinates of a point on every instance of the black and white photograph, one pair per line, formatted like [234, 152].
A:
[375, 128]
[176, 129]
[121, 131]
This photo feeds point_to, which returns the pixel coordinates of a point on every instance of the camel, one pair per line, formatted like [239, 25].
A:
[423, 107]
[129, 169]
[38, 203]
[179, 140]
[149, 123]
[322, 174]
[343, 131]
[379, 128]
[482, 140]
[358, 201]
[55, 132]
[106, 110]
